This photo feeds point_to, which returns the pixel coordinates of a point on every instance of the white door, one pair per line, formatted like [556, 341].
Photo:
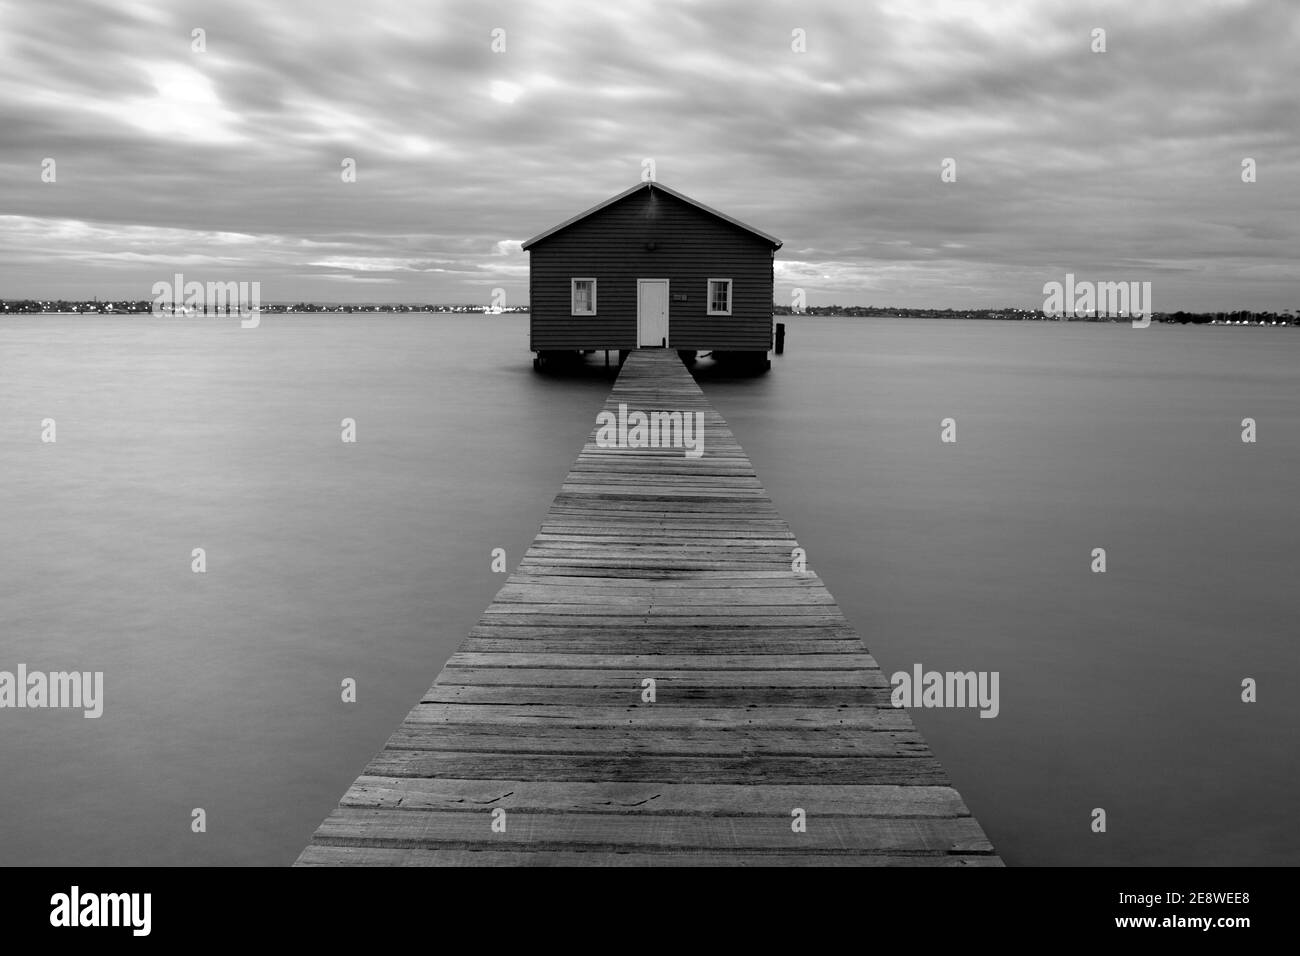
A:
[652, 312]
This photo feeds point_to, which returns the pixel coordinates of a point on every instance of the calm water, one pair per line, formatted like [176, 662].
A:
[371, 561]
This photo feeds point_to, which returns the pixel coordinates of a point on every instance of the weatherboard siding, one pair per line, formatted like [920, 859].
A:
[692, 247]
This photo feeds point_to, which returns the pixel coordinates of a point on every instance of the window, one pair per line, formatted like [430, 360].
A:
[719, 297]
[583, 296]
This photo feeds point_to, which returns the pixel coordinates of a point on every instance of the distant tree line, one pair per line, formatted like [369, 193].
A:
[16, 306]
[1286, 317]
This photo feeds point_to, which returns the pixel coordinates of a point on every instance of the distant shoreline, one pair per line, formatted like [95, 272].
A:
[64, 307]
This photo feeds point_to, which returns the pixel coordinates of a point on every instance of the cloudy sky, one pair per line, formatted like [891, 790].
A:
[227, 164]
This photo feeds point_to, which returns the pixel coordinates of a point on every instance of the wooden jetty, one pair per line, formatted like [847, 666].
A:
[652, 564]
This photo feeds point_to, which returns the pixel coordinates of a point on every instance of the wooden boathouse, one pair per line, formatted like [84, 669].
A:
[651, 268]
[658, 683]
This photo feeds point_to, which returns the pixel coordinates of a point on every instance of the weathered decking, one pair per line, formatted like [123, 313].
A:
[650, 564]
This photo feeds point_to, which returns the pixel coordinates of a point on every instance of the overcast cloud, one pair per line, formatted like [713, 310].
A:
[225, 165]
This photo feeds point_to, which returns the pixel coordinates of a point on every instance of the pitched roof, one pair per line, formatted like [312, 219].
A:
[776, 243]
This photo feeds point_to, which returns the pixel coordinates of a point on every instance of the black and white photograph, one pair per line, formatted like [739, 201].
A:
[835, 437]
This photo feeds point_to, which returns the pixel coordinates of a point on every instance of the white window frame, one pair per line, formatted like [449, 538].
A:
[708, 297]
[573, 294]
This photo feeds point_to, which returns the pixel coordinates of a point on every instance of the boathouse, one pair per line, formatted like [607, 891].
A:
[651, 268]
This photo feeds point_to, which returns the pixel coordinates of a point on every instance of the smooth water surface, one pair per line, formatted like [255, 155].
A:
[328, 560]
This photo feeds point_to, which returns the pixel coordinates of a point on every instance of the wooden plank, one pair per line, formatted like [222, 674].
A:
[664, 742]
[666, 678]
[651, 584]
[687, 798]
[695, 647]
[668, 630]
[323, 855]
[913, 770]
[679, 595]
[673, 662]
[429, 828]
[679, 617]
[681, 695]
[647, 717]
[593, 567]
